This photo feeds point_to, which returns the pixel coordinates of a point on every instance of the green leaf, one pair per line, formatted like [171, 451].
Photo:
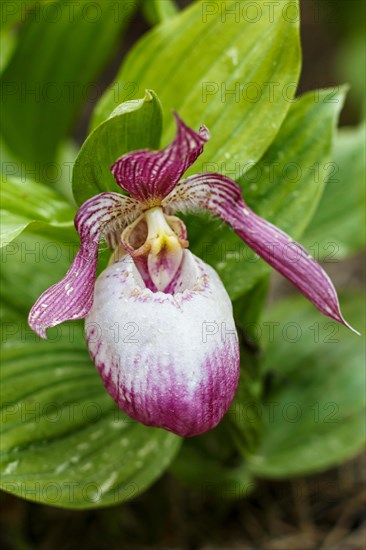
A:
[286, 185]
[349, 65]
[335, 231]
[7, 46]
[14, 12]
[64, 441]
[194, 61]
[158, 11]
[283, 187]
[29, 265]
[62, 182]
[210, 464]
[43, 91]
[132, 125]
[313, 413]
[13, 15]
[26, 204]
[248, 308]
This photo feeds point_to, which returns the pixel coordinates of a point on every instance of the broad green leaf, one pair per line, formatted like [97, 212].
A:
[286, 185]
[26, 204]
[220, 64]
[52, 72]
[336, 229]
[158, 11]
[64, 441]
[132, 125]
[29, 265]
[313, 412]
[283, 187]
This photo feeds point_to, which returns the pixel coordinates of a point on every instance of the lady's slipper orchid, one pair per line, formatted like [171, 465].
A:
[150, 315]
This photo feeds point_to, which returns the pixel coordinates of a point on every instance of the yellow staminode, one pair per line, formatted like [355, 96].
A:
[160, 235]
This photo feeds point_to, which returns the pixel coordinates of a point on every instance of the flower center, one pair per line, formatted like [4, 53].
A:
[160, 236]
[156, 242]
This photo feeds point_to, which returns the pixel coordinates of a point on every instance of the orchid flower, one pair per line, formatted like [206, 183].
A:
[151, 315]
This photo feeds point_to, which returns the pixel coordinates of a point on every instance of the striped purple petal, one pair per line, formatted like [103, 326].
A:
[149, 175]
[222, 196]
[72, 297]
[168, 360]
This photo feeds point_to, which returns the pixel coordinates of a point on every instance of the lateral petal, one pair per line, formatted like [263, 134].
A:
[72, 297]
[222, 196]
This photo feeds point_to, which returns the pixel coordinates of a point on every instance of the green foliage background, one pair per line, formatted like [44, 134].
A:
[300, 401]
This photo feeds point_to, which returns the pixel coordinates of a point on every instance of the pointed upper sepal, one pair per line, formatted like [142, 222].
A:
[149, 175]
[222, 196]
